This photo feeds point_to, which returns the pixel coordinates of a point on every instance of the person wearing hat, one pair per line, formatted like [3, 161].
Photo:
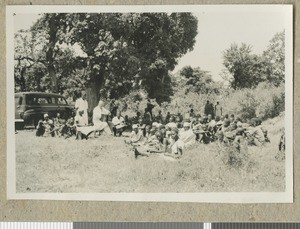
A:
[49, 126]
[81, 104]
[187, 135]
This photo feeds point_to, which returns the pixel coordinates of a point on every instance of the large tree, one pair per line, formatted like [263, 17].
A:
[42, 56]
[242, 65]
[118, 51]
[274, 56]
[198, 80]
[248, 69]
[130, 50]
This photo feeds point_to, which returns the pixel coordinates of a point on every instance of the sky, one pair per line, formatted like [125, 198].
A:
[217, 30]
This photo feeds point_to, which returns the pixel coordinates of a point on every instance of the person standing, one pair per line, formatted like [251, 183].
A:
[218, 110]
[149, 108]
[207, 107]
[81, 104]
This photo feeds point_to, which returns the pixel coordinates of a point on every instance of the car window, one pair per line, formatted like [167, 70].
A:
[46, 100]
[61, 100]
[31, 100]
[18, 101]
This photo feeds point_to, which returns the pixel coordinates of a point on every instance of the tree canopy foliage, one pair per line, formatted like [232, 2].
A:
[248, 69]
[119, 52]
[198, 81]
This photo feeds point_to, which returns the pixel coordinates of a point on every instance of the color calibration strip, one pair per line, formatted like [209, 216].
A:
[144, 225]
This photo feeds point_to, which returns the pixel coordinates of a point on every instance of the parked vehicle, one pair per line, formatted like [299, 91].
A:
[30, 107]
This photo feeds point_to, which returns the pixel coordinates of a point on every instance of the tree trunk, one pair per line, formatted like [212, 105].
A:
[53, 78]
[93, 92]
[53, 27]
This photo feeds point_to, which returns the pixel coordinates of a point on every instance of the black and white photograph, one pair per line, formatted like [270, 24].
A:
[181, 103]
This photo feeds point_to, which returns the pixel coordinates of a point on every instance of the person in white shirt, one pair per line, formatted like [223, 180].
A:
[99, 118]
[81, 104]
[136, 137]
[82, 128]
[187, 135]
[118, 124]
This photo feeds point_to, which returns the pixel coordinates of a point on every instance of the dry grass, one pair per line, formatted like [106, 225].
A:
[106, 164]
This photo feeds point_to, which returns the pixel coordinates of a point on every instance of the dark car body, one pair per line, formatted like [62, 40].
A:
[30, 107]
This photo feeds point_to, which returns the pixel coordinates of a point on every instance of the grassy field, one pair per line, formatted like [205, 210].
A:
[106, 164]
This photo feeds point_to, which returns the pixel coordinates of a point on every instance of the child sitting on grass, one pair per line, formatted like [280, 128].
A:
[40, 129]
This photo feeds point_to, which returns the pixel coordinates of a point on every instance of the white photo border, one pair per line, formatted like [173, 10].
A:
[212, 197]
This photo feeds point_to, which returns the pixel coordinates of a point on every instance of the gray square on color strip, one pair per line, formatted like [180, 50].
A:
[255, 225]
[144, 225]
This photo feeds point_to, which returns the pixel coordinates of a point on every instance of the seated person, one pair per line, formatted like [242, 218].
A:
[83, 130]
[204, 134]
[99, 118]
[239, 142]
[136, 137]
[255, 135]
[197, 128]
[118, 124]
[153, 145]
[211, 123]
[163, 130]
[152, 134]
[40, 129]
[174, 146]
[57, 123]
[142, 125]
[187, 135]
[232, 118]
[218, 124]
[172, 123]
[49, 126]
[230, 133]
[71, 125]
[148, 132]
[222, 129]
[178, 122]
[167, 118]
[65, 130]
[127, 121]
[136, 118]
[204, 118]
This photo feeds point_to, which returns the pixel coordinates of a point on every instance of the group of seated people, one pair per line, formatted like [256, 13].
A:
[168, 134]
[171, 136]
[79, 125]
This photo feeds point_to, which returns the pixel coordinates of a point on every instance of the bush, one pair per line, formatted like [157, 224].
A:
[265, 101]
